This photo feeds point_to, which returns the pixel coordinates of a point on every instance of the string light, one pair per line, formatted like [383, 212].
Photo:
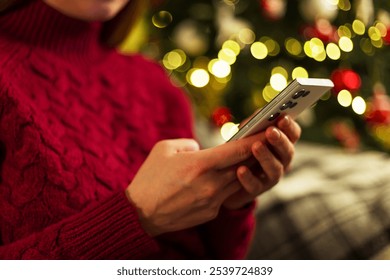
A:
[232, 45]
[278, 81]
[269, 93]
[358, 27]
[299, 72]
[174, 59]
[293, 46]
[346, 44]
[219, 68]
[344, 97]
[272, 46]
[333, 51]
[344, 31]
[259, 50]
[162, 19]
[227, 55]
[246, 36]
[359, 105]
[228, 130]
[198, 77]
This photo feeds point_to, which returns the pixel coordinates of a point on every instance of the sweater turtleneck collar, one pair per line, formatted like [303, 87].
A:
[40, 25]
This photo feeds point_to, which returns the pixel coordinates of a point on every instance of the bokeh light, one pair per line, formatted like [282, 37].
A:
[228, 130]
[358, 27]
[346, 44]
[232, 45]
[278, 81]
[227, 55]
[359, 105]
[246, 36]
[174, 59]
[269, 93]
[162, 19]
[293, 46]
[299, 72]
[333, 51]
[198, 77]
[344, 97]
[219, 68]
[259, 50]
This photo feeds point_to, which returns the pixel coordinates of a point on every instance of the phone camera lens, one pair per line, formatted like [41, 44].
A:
[299, 94]
[287, 105]
[274, 116]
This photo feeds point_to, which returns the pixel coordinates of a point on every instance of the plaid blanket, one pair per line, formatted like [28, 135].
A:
[332, 205]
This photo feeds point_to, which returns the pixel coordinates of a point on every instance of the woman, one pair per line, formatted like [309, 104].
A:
[97, 153]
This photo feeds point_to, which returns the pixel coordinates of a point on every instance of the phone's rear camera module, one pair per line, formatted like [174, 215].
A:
[274, 116]
[299, 94]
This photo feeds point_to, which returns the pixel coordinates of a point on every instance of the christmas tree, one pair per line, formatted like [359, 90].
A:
[234, 56]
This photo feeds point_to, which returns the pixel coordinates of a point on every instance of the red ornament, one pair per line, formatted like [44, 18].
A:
[273, 9]
[386, 39]
[378, 112]
[346, 135]
[221, 116]
[345, 79]
[322, 30]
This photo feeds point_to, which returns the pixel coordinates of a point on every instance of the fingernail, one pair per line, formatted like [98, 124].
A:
[275, 134]
[257, 147]
[286, 121]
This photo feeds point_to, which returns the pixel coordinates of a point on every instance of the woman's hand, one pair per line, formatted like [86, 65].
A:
[179, 186]
[273, 158]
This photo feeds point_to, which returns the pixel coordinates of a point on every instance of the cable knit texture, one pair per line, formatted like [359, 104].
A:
[77, 120]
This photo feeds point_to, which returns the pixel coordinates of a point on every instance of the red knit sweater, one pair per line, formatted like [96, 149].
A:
[76, 122]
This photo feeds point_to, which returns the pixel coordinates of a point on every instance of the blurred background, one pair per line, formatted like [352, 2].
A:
[233, 56]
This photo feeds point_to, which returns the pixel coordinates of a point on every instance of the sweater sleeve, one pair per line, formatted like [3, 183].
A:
[229, 236]
[109, 230]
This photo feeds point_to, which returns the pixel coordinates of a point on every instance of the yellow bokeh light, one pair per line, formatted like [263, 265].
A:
[232, 45]
[227, 55]
[278, 81]
[162, 19]
[293, 46]
[269, 93]
[174, 59]
[321, 56]
[344, 97]
[272, 47]
[228, 130]
[358, 27]
[259, 50]
[246, 36]
[307, 49]
[344, 31]
[374, 33]
[382, 28]
[366, 46]
[220, 69]
[378, 44]
[333, 51]
[279, 70]
[359, 105]
[198, 77]
[346, 44]
[317, 46]
[344, 5]
[299, 72]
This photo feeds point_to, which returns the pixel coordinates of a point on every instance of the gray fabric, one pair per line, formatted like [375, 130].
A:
[332, 205]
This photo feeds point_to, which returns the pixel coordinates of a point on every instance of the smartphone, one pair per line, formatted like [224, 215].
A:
[300, 94]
